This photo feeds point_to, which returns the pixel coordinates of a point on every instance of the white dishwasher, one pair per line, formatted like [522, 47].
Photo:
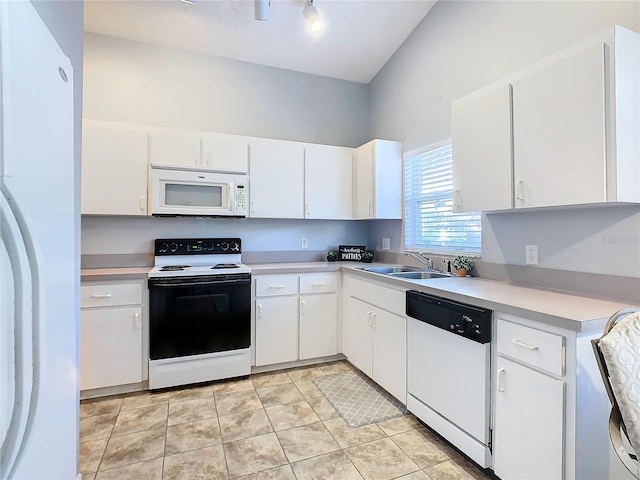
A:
[448, 371]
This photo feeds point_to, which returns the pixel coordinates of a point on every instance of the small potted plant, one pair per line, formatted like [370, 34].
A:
[367, 256]
[332, 255]
[462, 265]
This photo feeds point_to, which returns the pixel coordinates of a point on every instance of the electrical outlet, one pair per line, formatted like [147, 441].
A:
[305, 244]
[531, 254]
[386, 244]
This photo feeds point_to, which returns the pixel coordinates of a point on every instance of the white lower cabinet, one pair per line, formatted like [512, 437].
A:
[530, 393]
[375, 342]
[529, 423]
[296, 317]
[375, 339]
[111, 334]
[318, 335]
[276, 329]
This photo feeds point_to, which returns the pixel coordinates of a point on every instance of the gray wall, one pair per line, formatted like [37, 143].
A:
[133, 82]
[461, 46]
[135, 235]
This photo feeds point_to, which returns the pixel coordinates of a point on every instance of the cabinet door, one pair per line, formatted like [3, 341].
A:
[114, 170]
[387, 192]
[482, 150]
[318, 325]
[363, 183]
[529, 420]
[276, 330]
[357, 341]
[328, 190]
[177, 149]
[390, 353]
[227, 153]
[110, 347]
[559, 132]
[277, 179]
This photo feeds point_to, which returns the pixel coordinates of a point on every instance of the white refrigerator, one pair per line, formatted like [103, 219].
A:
[38, 277]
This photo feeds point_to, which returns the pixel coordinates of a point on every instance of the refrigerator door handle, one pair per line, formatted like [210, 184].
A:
[24, 326]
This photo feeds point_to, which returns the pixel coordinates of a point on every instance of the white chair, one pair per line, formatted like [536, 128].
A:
[618, 356]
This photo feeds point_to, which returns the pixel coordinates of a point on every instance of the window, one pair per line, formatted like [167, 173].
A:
[430, 223]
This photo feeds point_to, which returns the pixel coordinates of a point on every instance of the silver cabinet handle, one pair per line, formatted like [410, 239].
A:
[373, 315]
[306, 209]
[370, 319]
[524, 345]
[302, 307]
[500, 374]
[318, 284]
[142, 202]
[101, 295]
[252, 204]
[276, 286]
[259, 312]
[136, 320]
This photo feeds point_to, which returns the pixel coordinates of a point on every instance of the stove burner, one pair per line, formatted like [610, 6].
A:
[225, 265]
[174, 268]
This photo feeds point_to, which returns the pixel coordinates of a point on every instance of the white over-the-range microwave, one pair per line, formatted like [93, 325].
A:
[179, 191]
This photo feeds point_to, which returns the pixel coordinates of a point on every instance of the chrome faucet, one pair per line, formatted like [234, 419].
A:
[421, 257]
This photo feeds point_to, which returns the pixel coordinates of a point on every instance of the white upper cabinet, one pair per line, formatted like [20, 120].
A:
[114, 169]
[227, 153]
[328, 182]
[276, 169]
[378, 180]
[562, 132]
[482, 144]
[559, 132]
[175, 149]
[207, 151]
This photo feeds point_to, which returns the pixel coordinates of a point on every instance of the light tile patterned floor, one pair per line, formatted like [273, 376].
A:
[272, 426]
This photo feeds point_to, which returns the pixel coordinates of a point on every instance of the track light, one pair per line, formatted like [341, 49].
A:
[313, 18]
[262, 9]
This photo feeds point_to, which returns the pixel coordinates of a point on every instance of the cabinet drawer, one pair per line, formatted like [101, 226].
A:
[318, 283]
[537, 348]
[105, 295]
[386, 298]
[273, 285]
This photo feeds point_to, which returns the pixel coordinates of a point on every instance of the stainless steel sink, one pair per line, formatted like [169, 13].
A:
[419, 275]
[390, 269]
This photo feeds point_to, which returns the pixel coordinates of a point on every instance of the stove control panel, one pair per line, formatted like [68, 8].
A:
[197, 246]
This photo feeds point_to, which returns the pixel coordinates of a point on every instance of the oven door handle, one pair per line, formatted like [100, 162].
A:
[199, 284]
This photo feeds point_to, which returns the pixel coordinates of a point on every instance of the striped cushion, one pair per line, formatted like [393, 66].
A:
[621, 351]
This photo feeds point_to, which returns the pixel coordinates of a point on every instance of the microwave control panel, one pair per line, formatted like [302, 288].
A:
[241, 198]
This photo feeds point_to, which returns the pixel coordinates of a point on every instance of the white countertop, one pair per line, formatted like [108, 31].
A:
[563, 309]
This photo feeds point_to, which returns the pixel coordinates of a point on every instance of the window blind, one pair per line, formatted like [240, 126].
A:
[430, 223]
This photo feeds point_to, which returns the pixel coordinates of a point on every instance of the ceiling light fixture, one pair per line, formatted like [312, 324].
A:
[313, 18]
[190, 2]
[262, 9]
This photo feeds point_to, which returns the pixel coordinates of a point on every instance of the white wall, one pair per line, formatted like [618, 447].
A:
[463, 45]
[138, 83]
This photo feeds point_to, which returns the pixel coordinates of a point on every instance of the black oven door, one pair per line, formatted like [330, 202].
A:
[198, 315]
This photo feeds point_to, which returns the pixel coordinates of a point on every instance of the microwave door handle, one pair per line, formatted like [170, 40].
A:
[231, 195]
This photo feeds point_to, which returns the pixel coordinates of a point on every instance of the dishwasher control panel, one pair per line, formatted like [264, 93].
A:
[458, 318]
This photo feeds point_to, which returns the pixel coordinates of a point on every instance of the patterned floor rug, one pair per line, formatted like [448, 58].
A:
[358, 399]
